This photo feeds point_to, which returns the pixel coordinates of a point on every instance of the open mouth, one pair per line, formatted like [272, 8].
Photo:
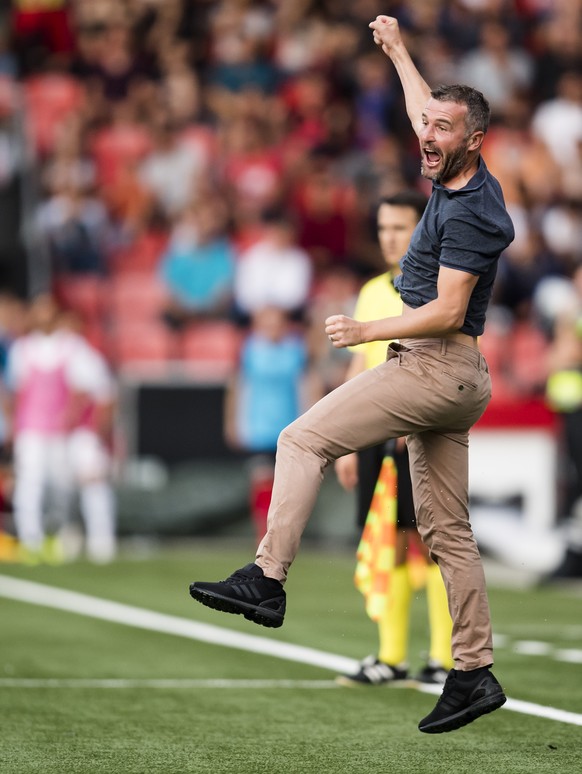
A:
[431, 157]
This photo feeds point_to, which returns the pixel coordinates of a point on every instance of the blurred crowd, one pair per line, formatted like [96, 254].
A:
[181, 165]
[228, 154]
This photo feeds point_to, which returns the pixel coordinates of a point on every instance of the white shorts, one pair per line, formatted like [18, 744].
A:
[41, 459]
[89, 458]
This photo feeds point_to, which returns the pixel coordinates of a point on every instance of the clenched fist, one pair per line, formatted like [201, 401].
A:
[386, 32]
[342, 331]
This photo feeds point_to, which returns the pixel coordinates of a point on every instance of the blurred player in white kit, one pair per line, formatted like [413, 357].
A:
[62, 399]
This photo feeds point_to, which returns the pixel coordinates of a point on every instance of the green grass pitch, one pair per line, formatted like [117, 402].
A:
[303, 726]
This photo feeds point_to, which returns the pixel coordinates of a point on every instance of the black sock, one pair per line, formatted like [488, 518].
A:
[472, 674]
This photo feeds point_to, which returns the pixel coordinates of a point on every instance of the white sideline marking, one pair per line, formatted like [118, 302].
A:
[570, 655]
[17, 682]
[532, 648]
[550, 713]
[94, 607]
[524, 707]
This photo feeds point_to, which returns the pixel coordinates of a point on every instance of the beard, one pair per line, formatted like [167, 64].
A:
[452, 164]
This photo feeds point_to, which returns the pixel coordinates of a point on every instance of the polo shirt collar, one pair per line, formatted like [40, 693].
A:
[474, 183]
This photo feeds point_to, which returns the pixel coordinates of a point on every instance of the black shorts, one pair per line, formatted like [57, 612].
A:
[369, 464]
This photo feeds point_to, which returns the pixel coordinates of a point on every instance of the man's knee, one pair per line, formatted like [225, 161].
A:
[429, 537]
[287, 438]
[299, 438]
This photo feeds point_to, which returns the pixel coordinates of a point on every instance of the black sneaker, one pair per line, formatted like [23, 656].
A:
[373, 672]
[433, 673]
[463, 701]
[247, 592]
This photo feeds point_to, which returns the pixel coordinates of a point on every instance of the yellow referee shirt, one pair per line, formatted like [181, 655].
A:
[377, 299]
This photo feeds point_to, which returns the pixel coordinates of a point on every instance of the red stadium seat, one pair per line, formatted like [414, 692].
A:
[85, 294]
[141, 342]
[96, 334]
[137, 296]
[141, 255]
[212, 347]
[50, 98]
[528, 352]
[116, 146]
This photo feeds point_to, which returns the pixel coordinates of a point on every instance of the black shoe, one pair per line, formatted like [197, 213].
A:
[463, 701]
[373, 672]
[433, 673]
[247, 592]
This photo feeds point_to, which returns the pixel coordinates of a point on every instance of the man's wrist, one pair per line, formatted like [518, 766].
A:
[397, 51]
[364, 333]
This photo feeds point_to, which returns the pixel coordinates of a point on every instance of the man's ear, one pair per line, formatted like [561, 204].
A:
[475, 141]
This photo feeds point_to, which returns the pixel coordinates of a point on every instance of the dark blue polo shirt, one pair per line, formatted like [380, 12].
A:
[466, 230]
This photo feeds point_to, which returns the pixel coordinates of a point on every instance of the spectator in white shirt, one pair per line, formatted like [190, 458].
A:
[558, 122]
[274, 271]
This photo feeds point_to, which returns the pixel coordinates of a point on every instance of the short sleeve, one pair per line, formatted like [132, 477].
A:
[471, 246]
[89, 373]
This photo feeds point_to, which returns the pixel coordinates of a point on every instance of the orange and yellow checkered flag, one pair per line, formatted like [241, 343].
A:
[377, 548]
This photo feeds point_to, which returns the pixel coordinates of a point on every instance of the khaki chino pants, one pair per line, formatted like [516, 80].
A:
[432, 391]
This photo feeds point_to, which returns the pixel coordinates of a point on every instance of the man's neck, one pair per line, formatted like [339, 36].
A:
[461, 180]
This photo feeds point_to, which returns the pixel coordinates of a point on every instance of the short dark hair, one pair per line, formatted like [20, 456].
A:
[478, 110]
[277, 216]
[407, 198]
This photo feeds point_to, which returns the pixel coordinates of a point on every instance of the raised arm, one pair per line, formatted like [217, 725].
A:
[416, 90]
